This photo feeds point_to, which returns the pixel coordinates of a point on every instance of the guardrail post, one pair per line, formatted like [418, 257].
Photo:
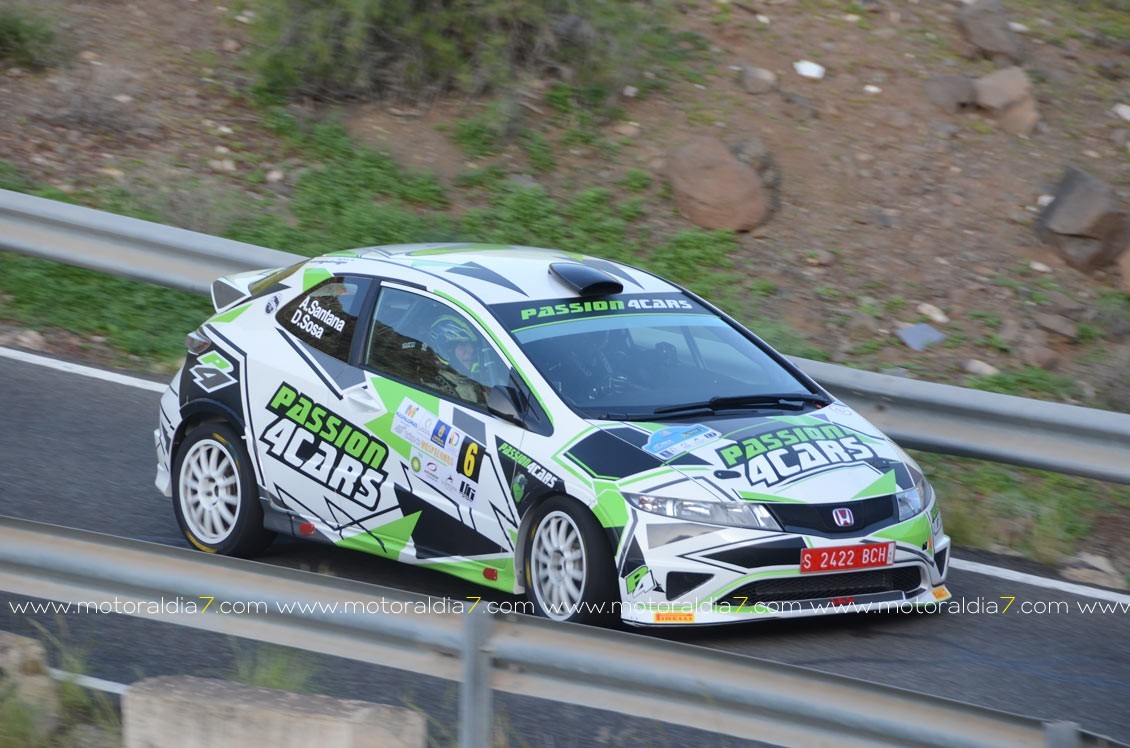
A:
[1062, 735]
[475, 714]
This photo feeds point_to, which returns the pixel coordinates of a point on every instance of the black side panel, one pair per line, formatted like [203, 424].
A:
[439, 534]
[602, 455]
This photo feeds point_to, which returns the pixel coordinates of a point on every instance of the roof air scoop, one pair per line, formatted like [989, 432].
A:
[585, 280]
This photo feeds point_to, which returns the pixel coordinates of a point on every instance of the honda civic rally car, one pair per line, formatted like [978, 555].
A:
[544, 422]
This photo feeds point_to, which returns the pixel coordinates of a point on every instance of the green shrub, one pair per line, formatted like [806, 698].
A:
[333, 49]
[26, 40]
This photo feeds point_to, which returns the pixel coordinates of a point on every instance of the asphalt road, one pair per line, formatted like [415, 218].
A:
[78, 452]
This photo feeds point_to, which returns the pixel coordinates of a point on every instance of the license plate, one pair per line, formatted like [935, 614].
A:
[839, 558]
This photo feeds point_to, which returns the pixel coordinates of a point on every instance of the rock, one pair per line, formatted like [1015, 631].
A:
[715, 190]
[1057, 324]
[951, 92]
[1090, 568]
[754, 152]
[1020, 118]
[799, 107]
[809, 69]
[1085, 222]
[24, 672]
[933, 313]
[872, 89]
[223, 165]
[1010, 331]
[900, 119]
[979, 368]
[627, 129]
[1039, 267]
[985, 25]
[1039, 356]
[1065, 304]
[231, 46]
[757, 80]
[630, 92]
[1124, 271]
[919, 337]
[878, 216]
[275, 175]
[862, 324]
[30, 340]
[1114, 70]
[820, 257]
[1122, 111]
[1000, 89]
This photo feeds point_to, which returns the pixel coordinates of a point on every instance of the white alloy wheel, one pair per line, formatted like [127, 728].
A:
[209, 491]
[558, 565]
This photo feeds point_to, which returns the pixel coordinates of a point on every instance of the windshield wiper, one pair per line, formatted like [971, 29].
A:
[783, 401]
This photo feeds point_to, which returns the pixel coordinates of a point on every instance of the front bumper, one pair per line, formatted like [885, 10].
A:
[731, 575]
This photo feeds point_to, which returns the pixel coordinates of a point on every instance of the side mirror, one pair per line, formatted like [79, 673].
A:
[503, 402]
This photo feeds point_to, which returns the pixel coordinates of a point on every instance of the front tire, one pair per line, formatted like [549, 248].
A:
[569, 571]
[215, 494]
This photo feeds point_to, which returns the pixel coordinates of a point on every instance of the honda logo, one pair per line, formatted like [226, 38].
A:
[843, 517]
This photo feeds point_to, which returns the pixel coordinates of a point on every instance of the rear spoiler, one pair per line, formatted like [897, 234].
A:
[237, 288]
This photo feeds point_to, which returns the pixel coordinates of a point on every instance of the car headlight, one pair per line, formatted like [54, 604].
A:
[913, 501]
[707, 510]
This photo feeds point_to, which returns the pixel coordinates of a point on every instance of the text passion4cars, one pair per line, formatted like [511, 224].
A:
[542, 422]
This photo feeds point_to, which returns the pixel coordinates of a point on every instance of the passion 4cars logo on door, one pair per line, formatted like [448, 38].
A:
[324, 446]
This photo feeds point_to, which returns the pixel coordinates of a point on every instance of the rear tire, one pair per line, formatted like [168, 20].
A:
[215, 495]
[568, 567]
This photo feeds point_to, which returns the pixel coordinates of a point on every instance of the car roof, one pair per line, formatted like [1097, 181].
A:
[493, 273]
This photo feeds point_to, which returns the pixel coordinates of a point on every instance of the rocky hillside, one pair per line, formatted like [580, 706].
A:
[890, 164]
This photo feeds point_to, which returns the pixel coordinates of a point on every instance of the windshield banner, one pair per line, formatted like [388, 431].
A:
[524, 314]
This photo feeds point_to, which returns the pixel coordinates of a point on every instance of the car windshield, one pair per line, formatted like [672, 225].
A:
[659, 358]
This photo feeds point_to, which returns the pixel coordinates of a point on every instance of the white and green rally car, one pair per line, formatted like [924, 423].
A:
[539, 421]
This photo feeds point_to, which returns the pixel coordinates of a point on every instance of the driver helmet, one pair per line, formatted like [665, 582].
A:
[447, 334]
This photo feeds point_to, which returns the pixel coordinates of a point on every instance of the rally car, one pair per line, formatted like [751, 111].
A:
[544, 422]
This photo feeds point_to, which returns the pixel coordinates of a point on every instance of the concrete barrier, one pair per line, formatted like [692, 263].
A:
[187, 712]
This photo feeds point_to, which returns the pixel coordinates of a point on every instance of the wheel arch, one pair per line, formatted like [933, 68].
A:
[201, 411]
[612, 535]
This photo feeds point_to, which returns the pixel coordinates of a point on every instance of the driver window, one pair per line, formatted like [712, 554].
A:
[426, 343]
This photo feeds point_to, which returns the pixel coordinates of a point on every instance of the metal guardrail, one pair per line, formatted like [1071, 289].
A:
[656, 679]
[920, 415]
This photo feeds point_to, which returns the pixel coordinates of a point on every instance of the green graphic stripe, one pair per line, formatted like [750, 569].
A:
[915, 531]
[393, 537]
[314, 276]
[884, 486]
[231, 314]
[754, 496]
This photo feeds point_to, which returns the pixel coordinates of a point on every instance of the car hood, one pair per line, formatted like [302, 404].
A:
[830, 454]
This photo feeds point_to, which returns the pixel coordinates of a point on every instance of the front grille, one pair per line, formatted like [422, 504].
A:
[869, 515]
[819, 586]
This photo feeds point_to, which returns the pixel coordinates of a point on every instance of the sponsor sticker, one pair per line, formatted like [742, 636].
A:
[672, 441]
[941, 593]
[674, 617]
[442, 456]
